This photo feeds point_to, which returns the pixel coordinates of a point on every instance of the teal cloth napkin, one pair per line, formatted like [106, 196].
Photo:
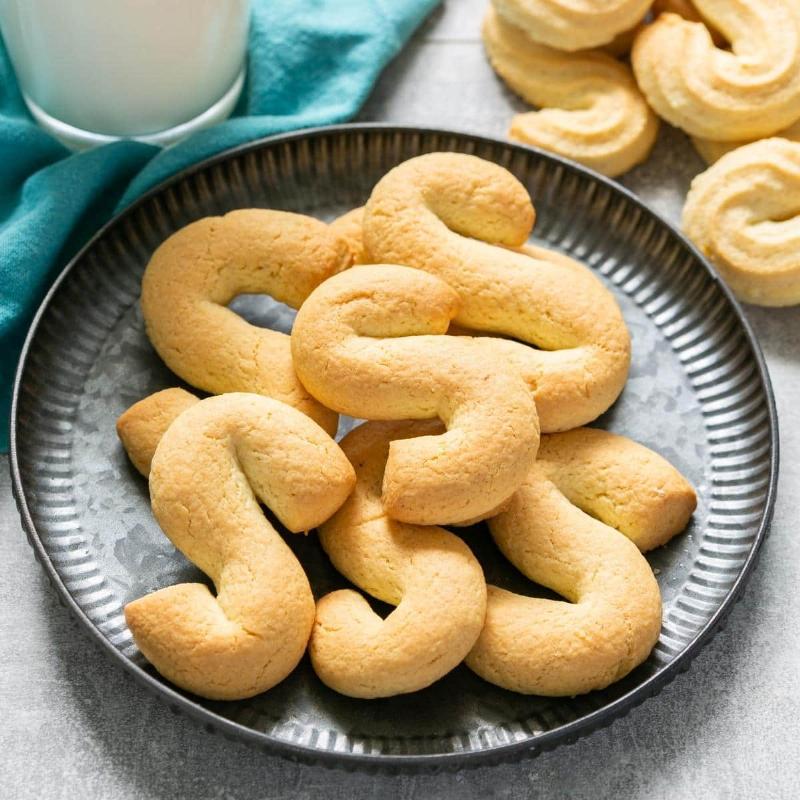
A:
[310, 62]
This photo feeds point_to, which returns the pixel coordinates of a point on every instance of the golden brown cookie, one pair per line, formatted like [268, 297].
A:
[430, 575]
[141, 427]
[465, 219]
[591, 109]
[195, 273]
[749, 91]
[368, 343]
[569, 25]
[611, 616]
[742, 213]
[214, 463]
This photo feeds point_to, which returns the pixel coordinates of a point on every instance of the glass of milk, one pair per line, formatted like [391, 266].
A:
[92, 71]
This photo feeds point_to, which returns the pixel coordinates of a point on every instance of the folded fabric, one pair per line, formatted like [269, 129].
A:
[309, 63]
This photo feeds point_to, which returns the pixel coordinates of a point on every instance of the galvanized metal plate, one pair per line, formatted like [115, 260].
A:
[698, 393]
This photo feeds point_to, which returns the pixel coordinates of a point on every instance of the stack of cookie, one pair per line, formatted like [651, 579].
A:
[476, 360]
[728, 74]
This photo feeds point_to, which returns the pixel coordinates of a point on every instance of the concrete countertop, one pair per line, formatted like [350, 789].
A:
[75, 726]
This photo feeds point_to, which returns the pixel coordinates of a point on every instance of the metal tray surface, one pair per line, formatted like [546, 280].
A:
[698, 393]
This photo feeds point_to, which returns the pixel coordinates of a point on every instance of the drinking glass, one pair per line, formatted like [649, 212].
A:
[92, 71]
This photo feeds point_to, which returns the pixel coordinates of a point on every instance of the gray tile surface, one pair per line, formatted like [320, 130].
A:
[75, 726]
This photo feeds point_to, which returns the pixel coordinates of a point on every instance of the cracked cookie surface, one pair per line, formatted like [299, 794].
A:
[215, 461]
[198, 270]
[369, 343]
[429, 574]
[467, 221]
[592, 501]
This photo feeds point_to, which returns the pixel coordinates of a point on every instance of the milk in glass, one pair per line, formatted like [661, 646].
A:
[127, 68]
